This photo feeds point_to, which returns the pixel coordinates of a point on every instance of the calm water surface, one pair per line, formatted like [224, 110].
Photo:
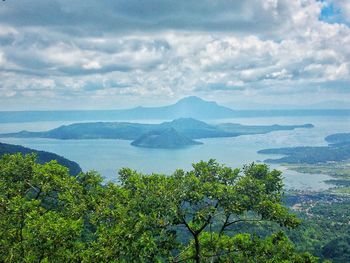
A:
[108, 156]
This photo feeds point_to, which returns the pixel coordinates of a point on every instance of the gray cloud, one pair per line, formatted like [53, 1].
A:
[101, 52]
[92, 17]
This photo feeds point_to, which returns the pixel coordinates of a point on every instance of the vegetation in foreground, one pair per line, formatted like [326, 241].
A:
[46, 215]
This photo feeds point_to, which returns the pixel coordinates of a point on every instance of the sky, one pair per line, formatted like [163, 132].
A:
[88, 54]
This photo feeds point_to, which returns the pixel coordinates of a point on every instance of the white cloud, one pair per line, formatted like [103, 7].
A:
[2, 58]
[6, 30]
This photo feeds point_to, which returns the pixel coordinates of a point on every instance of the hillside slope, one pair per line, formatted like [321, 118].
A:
[42, 156]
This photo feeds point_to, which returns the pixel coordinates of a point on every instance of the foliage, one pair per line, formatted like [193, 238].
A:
[40, 211]
[46, 215]
[248, 248]
[338, 249]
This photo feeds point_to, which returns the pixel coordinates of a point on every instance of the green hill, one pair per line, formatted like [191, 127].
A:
[42, 156]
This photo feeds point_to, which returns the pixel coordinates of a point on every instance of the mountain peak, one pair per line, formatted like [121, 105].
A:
[194, 100]
[198, 108]
[166, 138]
[186, 123]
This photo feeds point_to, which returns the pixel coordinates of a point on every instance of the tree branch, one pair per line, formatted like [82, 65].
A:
[224, 225]
[187, 248]
[187, 225]
[244, 220]
[207, 221]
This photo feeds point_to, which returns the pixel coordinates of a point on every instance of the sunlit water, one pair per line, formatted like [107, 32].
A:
[108, 156]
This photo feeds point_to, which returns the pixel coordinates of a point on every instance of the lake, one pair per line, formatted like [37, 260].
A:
[108, 156]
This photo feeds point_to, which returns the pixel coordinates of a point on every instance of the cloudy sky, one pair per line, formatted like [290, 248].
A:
[88, 54]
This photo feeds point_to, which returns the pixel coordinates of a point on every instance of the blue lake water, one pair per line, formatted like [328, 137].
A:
[108, 156]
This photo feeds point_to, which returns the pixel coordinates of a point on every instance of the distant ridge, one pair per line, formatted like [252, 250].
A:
[178, 130]
[188, 107]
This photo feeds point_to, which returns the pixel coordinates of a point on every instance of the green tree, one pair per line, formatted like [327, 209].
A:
[40, 211]
[250, 249]
[133, 220]
[338, 249]
[207, 201]
[46, 215]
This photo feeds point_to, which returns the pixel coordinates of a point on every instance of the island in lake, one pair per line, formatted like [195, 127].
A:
[168, 138]
[338, 138]
[337, 150]
[332, 160]
[42, 156]
[177, 133]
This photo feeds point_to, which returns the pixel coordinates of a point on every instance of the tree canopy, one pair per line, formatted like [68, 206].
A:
[46, 215]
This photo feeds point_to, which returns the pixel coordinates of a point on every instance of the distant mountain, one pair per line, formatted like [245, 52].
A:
[168, 138]
[195, 107]
[189, 107]
[189, 127]
[42, 156]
